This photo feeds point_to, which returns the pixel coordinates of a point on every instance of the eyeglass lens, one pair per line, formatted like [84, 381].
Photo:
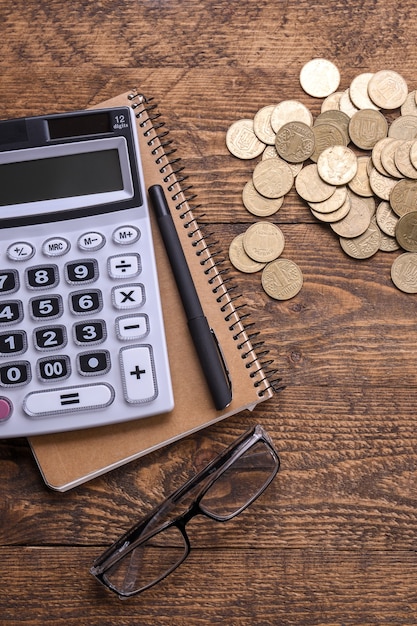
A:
[151, 561]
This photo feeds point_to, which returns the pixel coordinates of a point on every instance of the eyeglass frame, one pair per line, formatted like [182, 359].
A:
[135, 536]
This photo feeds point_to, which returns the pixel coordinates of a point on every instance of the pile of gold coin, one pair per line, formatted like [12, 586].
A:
[355, 171]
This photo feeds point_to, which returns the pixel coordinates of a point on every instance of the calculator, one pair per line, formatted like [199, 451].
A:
[82, 341]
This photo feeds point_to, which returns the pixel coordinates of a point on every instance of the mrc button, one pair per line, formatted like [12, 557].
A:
[55, 246]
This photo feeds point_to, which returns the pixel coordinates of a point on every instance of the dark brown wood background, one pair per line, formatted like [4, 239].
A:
[333, 540]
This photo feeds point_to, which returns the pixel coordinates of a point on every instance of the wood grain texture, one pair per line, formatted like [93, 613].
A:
[333, 540]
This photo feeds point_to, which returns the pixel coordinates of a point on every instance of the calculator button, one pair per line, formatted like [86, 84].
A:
[20, 251]
[53, 368]
[132, 327]
[124, 265]
[68, 399]
[91, 241]
[14, 374]
[90, 332]
[85, 271]
[126, 235]
[50, 337]
[42, 308]
[6, 409]
[128, 296]
[83, 302]
[55, 246]
[42, 277]
[13, 342]
[11, 312]
[139, 380]
[92, 363]
[9, 281]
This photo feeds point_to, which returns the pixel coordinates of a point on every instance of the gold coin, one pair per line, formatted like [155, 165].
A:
[365, 245]
[413, 153]
[403, 127]
[263, 242]
[356, 222]
[311, 187]
[358, 91]
[290, 111]
[346, 105]
[272, 178]
[240, 260]
[336, 200]
[319, 78]
[367, 127]
[332, 102]
[241, 140]
[388, 244]
[403, 197]
[334, 216]
[259, 205]
[282, 279]
[294, 142]
[387, 89]
[376, 155]
[270, 152]
[326, 135]
[406, 231]
[262, 125]
[338, 118]
[402, 159]
[410, 105]
[404, 272]
[337, 165]
[386, 218]
[381, 185]
[360, 182]
[387, 158]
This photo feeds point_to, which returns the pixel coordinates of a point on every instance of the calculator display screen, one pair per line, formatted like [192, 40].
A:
[60, 177]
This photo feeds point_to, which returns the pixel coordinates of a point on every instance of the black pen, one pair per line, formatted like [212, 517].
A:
[204, 339]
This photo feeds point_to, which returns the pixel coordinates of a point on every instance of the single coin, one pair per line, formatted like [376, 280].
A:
[406, 231]
[311, 187]
[360, 182]
[367, 127]
[356, 221]
[336, 200]
[270, 152]
[413, 153]
[365, 245]
[338, 118]
[334, 216]
[294, 142]
[381, 185]
[404, 272]
[387, 89]
[259, 205]
[358, 91]
[332, 102]
[282, 279]
[387, 158]
[319, 78]
[240, 260]
[388, 244]
[403, 127]
[290, 111]
[376, 155]
[402, 159]
[410, 105]
[346, 105]
[386, 218]
[337, 165]
[263, 242]
[241, 140]
[326, 135]
[262, 125]
[272, 178]
[403, 197]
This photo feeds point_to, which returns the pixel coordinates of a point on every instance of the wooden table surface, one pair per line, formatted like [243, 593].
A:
[333, 540]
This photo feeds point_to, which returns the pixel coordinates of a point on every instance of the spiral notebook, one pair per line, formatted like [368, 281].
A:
[71, 458]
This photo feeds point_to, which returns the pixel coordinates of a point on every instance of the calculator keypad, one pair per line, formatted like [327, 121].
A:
[72, 330]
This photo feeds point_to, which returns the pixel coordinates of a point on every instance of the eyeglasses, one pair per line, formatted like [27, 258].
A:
[158, 544]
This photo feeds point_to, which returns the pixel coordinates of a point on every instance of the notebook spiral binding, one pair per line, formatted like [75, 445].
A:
[146, 111]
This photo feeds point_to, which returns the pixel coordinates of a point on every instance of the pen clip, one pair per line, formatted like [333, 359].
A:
[222, 360]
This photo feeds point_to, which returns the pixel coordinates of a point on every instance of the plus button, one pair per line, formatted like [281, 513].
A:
[137, 372]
